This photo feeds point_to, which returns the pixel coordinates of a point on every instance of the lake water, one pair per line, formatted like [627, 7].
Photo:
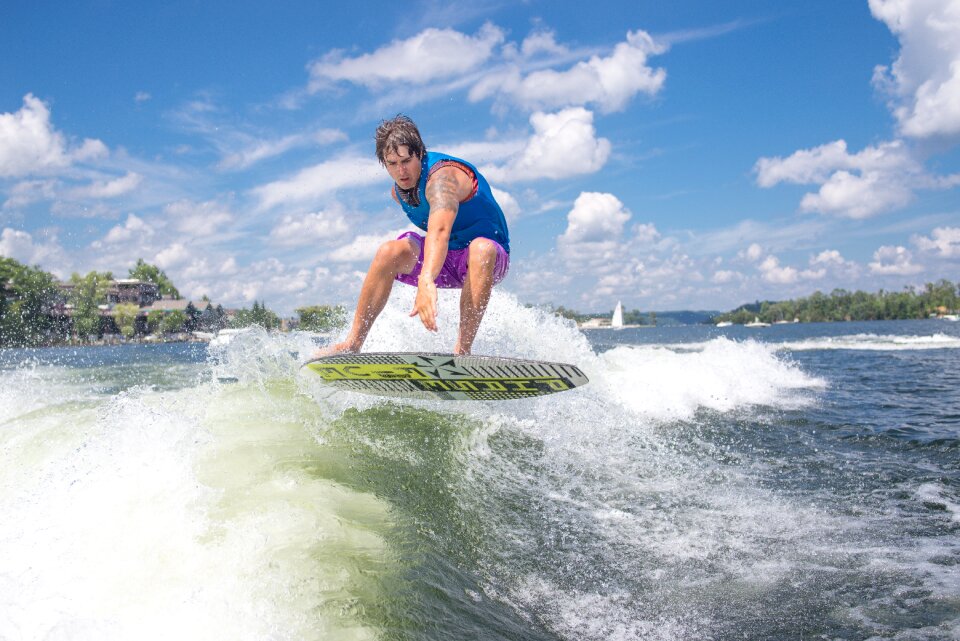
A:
[790, 482]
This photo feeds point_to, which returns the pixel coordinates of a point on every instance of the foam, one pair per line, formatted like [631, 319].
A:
[147, 519]
[874, 342]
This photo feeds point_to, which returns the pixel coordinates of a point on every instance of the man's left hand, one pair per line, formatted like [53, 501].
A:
[425, 305]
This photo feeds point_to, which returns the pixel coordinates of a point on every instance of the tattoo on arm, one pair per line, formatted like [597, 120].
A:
[442, 192]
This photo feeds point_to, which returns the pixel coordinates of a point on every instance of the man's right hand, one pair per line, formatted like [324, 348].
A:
[425, 305]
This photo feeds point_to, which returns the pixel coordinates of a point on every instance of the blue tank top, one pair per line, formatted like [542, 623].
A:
[480, 216]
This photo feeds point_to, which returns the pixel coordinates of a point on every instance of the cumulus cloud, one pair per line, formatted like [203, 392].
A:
[875, 180]
[509, 205]
[30, 145]
[924, 81]
[772, 272]
[198, 219]
[363, 247]
[752, 253]
[21, 246]
[725, 276]
[563, 144]
[595, 217]
[174, 255]
[894, 261]
[307, 229]
[430, 55]
[134, 227]
[606, 82]
[313, 183]
[944, 242]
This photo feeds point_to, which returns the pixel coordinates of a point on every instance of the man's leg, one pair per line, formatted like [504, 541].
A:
[394, 257]
[477, 287]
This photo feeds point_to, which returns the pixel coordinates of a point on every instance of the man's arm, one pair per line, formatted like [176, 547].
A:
[445, 189]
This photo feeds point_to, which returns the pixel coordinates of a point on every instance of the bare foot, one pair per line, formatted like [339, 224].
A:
[345, 347]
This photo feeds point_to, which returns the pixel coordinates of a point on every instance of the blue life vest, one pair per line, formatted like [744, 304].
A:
[480, 216]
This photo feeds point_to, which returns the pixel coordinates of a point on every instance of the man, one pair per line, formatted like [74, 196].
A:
[467, 245]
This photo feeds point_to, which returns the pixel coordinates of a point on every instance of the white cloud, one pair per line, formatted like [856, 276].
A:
[141, 96]
[724, 276]
[772, 272]
[645, 233]
[943, 242]
[134, 227]
[255, 151]
[595, 218]
[861, 185]
[563, 144]
[30, 191]
[108, 188]
[29, 144]
[894, 261]
[509, 205]
[924, 80]
[540, 42]
[431, 54]
[608, 83]
[172, 256]
[753, 253]
[306, 229]
[311, 184]
[20, 246]
[363, 247]
[830, 261]
[199, 219]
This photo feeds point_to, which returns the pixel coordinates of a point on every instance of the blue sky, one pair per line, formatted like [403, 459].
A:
[690, 154]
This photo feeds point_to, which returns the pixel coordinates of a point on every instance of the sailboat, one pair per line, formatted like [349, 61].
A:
[616, 321]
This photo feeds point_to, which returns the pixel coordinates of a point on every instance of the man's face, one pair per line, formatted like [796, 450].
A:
[403, 167]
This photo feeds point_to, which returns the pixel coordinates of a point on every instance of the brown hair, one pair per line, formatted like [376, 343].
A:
[396, 132]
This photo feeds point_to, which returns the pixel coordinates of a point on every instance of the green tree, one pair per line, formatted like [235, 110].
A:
[154, 321]
[321, 318]
[26, 316]
[152, 274]
[193, 317]
[125, 316]
[174, 321]
[89, 292]
[259, 315]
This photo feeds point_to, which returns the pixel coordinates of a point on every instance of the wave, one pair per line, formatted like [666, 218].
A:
[874, 342]
[272, 507]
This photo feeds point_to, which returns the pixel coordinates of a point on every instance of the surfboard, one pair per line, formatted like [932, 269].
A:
[445, 376]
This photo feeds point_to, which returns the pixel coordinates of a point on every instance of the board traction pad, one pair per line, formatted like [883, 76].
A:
[445, 376]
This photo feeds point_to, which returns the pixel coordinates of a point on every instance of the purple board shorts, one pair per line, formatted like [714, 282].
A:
[454, 269]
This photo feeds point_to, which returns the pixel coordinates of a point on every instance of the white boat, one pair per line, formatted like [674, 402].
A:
[757, 323]
[616, 321]
[951, 317]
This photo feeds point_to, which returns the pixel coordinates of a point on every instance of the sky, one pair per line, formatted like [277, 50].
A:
[685, 155]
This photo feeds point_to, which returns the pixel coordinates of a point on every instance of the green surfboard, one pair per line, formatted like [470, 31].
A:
[445, 376]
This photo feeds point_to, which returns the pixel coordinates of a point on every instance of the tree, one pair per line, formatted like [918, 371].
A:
[212, 318]
[193, 317]
[174, 321]
[26, 317]
[125, 316]
[152, 274]
[259, 315]
[154, 321]
[321, 318]
[89, 292]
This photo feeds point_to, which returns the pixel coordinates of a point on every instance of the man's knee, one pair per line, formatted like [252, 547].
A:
[483, 253]
[393, 251]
